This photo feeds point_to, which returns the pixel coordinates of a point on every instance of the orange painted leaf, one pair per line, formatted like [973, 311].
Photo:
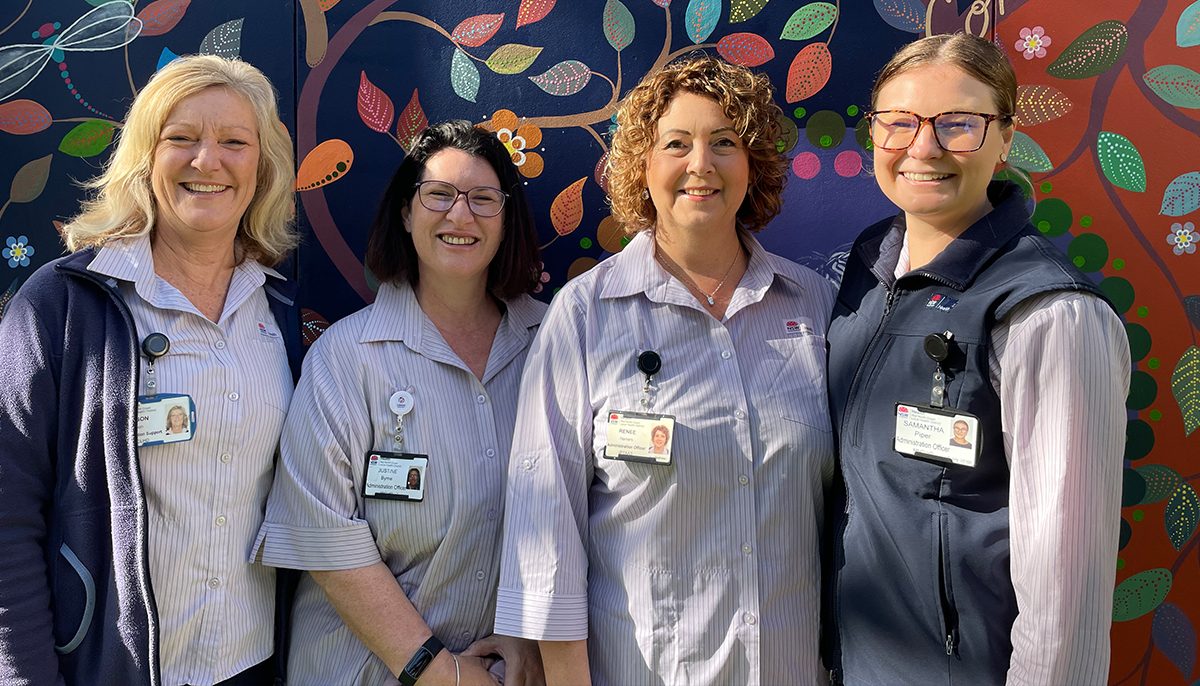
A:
[412, 122]
[600, 173]
[746, 49]
[23, 117]
[566, 212]
[475, 31]
[809, 72]
[533, 11]
[312, 325]
[161, 16]
[324, 164]
[374, 106]
[1040, 104]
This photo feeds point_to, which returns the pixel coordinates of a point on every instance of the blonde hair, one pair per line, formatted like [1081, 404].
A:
[745, 98]
[124, 202]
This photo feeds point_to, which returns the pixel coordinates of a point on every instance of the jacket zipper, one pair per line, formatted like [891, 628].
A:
[949, 611]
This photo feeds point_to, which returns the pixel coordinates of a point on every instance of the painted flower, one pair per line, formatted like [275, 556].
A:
[520, 141]
[1033, 42]
[18, 251]
[1183, 237]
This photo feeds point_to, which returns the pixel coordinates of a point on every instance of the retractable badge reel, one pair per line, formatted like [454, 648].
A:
[937, 347]
[162, 417]
[400, 403]
[649, 363]
[942, 434]
[154, 346]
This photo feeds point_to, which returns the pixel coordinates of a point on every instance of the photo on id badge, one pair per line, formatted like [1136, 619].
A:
[639, 437]
[943, 435]
[395, 476]
[165, 418]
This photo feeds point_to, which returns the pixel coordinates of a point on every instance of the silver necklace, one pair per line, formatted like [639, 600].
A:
[710, 297]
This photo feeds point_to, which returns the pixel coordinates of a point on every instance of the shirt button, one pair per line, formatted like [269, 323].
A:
[746, 548]
[739, 414]
[749, 618]
[220, 345]
[725, 354]
[481, 398]
[226, 457]
[527, 464]
[491, 515]
[490, 452]
[479, 575]
[214, 582]
[234, 396]
[743, 479]
[220, 520]
[466, 635]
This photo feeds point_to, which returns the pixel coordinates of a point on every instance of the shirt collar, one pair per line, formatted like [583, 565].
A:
[397, 316]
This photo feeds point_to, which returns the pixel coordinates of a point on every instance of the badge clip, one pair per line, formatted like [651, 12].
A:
[937, 348]
[154, 346]
[649, 363]
[400, 403]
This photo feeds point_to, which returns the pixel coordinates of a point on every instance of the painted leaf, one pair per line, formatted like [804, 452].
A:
[512, 58]
[809, 20]
[464, 76]
[1182, 195]
[375, 108]
[1027, 154]
[475, 31]
[1175, 637]
[809, 72]
[1121, 162]
[906, 15]
[316, 32]
[324, 164]
[746, 49]
[532, 11]
[312, 325]
[1141, 593]
[1191, 304]
[701, 18]
[741, 10]
[1092, 53]
[88, 139]
[1182, 514]
[23, 117]
[566, 212]
[7, 296]
[412, 122]
[161, 16]
[600, 173]
[1040, 104]
[1177, 85]
[1187, 29]
[1160, 482]
[30, 180]
[1185, 386]
[565, 78]
[327, 5]
[225, 40]
[618, 25]
[164, 58]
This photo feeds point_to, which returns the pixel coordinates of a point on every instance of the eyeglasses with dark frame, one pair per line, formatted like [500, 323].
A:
[440, 196]
[954, 131]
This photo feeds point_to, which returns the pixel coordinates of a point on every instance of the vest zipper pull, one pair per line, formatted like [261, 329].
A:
[951, 641]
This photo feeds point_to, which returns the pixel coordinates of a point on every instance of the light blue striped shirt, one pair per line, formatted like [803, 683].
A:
[705, 571]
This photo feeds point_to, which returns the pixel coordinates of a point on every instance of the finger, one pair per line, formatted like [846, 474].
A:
[484, 646]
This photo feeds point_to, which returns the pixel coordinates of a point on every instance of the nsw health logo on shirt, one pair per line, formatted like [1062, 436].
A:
[941, 302]
[794, 327]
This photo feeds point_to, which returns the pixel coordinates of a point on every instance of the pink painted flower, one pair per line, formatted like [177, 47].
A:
[1033, 42]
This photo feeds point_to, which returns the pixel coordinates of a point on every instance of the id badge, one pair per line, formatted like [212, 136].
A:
[395, 476]
[165, 418]
[640, 437]
[943, 435]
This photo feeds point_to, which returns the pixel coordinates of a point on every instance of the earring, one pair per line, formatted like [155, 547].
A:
[645, 194]
[1003, 158]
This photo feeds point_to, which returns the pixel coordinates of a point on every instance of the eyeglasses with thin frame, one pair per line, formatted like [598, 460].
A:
[954, 131]
[439, 196]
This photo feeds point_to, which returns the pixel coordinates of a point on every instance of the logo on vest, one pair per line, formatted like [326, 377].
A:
[945, 303]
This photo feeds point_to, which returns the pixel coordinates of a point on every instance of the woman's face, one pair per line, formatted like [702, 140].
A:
[659, 439]
[697, 168]
[205, 164]
[960, 431]
[945, 190]
[175, 419]
[454, 243]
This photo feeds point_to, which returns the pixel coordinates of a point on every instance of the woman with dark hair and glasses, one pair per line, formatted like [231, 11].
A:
[402, 573]
[993, 564]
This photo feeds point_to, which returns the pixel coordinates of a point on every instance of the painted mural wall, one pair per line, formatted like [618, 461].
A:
[1109, 129]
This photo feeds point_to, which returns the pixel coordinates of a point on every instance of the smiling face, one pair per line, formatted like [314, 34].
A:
[205, 165]
[944, 190]
[454, 244]
[658, 437]
[697, 169]
[175, 419]
[960, 431]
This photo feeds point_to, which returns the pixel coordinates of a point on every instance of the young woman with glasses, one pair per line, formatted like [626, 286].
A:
[403, 570]
[990, 565]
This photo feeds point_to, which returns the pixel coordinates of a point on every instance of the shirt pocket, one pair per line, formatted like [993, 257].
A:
[797, 389]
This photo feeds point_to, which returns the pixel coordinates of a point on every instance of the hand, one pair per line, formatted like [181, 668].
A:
[519, 657]
[473, 670]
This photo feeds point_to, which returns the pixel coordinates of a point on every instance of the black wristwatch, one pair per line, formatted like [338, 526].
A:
[420, 661]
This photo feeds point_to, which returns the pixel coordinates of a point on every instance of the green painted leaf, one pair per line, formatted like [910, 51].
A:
[1121, 162]
[741, 10]
[618, 25]
[701, 18]
[225, 40]
[1185, 386]
[464, 76]
[1182, 195]
[512, 58]
[1092, 53]
[809, 20]
[1182, 514]
[30, 180]
[88, 139]
[1028, 155]
[7, 296]
[1187, 29]
[1177, 85]
[565, 78]
[1140, 594]
[1160, 482]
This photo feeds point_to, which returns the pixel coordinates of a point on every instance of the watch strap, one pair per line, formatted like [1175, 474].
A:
[419, 662]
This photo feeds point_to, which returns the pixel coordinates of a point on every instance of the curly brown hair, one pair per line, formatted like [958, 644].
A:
[746, 98]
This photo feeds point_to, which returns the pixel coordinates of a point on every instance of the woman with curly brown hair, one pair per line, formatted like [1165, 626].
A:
[699, 566]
